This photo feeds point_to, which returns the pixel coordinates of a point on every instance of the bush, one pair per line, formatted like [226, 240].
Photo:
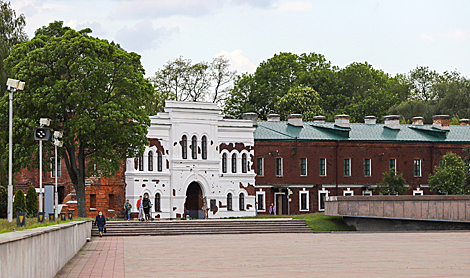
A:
[32, 206]
[392, 184]
[3, 202]
[19, 204]
[450, 177]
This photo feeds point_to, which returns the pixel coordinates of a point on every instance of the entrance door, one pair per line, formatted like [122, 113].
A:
[194, 201]
[279, 204]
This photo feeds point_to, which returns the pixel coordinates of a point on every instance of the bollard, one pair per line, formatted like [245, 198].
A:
[63, 216]
[51, 217]
[21, 219]
[70, 215]
[41, 217]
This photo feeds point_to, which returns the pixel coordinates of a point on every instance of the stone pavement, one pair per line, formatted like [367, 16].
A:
[432, 254]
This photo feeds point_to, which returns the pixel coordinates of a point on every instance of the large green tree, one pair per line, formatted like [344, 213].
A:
[299, 100]
[450, 177]
[91, 89]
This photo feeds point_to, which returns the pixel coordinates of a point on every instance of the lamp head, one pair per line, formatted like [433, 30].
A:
[58, 134]
[13, 83]
[58, 143]
[44, 121]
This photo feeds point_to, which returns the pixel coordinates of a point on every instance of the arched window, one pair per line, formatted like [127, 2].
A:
[204, 147]
[224, 163]
[157, 202]
[234, 163]
[194, 147]
[184, 147]
[241, 201]
[150, 161]
[141, 163]
[244, 163]
[159, 161]
[229, 201]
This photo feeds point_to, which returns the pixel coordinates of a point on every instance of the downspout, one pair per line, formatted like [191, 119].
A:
[336, 170]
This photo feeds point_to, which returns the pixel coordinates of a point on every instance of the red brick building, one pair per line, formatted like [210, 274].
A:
[313, 160]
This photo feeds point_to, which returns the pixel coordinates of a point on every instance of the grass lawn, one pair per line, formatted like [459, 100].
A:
[6, 227]
[319, 222]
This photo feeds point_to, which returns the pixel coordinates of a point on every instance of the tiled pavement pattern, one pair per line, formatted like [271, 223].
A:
[433, 254]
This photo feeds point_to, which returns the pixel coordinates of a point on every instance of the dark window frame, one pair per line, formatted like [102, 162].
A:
[194, 147]
[279, 168]
[244, 163]
[303, 166]
[158, 202]
[347, 167]
[367, 167]
[229, 202]
[260, 166]
[323, 167]
[234, 163]
[184, 147]
[150, 161]
[224, 163]
[159, 161]
[141, 163]
[241, 201]
[204, 147]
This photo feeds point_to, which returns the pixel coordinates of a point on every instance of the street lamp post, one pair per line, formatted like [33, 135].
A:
[39, 131]
[13, 85]
[57, 143]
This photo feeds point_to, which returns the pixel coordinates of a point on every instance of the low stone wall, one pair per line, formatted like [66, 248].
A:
[431, 207]
[41, 252]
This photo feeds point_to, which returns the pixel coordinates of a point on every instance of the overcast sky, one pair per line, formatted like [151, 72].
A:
[395, 36]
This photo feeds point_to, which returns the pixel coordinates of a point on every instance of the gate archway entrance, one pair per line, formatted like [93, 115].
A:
[194, 201]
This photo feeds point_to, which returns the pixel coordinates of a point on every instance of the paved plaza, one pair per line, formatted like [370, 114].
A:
[432, 254]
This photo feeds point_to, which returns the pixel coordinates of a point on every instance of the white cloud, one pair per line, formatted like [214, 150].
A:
[97, 30]
[72, 24]
[238, 62]
[256, 3]
[143, 36]
[295, 6]
[456, 36]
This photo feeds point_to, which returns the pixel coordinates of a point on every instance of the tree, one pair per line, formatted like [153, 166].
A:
[299, 100]
[392, 184]
[11, 33]
[423, 80]
[467, 163]
[3, 202]
[19, 204]
[222, 77]
[32, 202]
[450, 177]
[91, 89]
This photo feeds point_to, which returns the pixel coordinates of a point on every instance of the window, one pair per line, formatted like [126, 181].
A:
[348, 192]
[322, 197]
[241, 201]
[111, 203]
[393, 165]
[157, 202]
[260, 166]
[279, 166]
[244, 163]
[367, 167]
[303, 166]
[224, 163]
[229, 201]
[194, 147]
[234, 163]
[347, 165]
[141, 163]
[322, 166]
[260, 198]
[93, 201]
[304, 200]
[204, 147]
[59, 173]
[159, 161]
[184, 147]
[213, 204]
[417, 168]
[150, 161]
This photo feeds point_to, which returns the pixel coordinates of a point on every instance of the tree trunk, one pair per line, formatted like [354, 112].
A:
[81, 201]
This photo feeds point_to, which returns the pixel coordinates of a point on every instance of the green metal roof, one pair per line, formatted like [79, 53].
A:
[315, 131]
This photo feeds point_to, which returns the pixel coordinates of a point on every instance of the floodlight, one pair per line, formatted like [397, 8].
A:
[58, 143]
[58, 134]
[16, 84]
[44, 121]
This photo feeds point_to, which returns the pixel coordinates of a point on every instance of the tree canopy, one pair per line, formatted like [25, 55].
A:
[392, 184]
[91, 89]
[450, 177]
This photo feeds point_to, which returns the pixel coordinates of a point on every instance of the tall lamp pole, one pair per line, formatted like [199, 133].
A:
[41, 134]
[13, 85]
[57, 143]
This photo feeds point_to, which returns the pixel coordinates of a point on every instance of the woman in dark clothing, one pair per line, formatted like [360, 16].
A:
[147, 205]
[100, 222]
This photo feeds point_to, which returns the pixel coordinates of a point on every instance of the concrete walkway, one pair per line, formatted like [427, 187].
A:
[434, 254]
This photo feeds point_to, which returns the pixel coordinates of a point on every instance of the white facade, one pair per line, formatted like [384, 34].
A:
[168, 178]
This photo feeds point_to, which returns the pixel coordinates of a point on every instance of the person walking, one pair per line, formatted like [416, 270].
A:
[147, 206]
[140, 206]
[272, 209]
[100, 222]
[127, 209]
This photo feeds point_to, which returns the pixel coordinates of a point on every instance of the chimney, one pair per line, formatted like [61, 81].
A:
[417, 121]
[319, 119]
[370, 120]
[392, 121]
[464, 121]
[440, 122]
[252, 117]
[295, 119]
[274, 118]
[342, 120]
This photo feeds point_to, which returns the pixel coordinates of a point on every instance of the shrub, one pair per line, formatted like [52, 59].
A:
[3, 202]
[19, 204]
[32, 206]
[450, 177]
[392, 183]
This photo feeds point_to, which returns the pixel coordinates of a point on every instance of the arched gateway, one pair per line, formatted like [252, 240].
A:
[194, 201]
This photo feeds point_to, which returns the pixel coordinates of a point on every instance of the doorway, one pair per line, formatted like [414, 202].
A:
[281, 203]
[194, 201]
